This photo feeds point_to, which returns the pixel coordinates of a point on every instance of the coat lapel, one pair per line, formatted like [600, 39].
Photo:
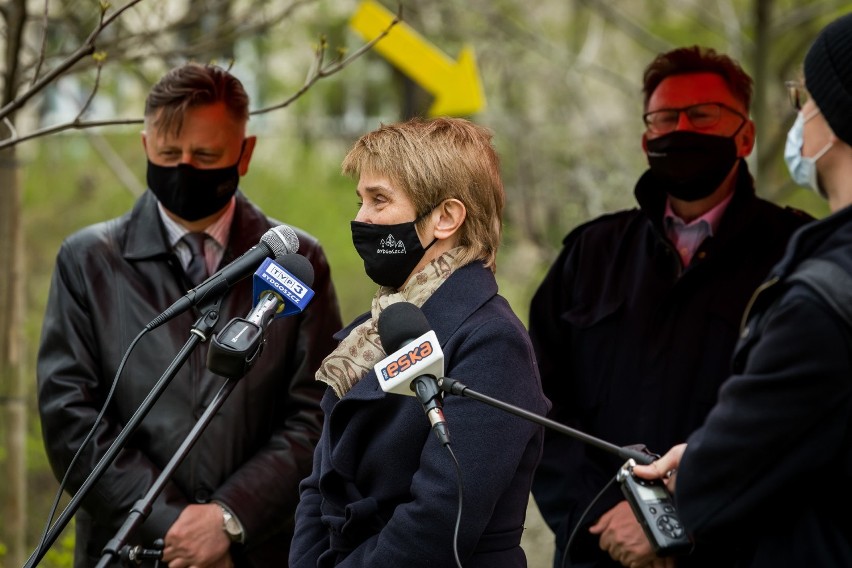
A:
[464, 292]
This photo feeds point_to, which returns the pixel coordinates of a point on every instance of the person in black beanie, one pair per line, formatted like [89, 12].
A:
[764, 477]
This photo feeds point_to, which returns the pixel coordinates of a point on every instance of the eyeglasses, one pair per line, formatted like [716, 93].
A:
[797, 93]
[704, 115]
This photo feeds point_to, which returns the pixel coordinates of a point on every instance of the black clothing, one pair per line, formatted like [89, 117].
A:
[110, 280]
[768, 475]
[632, 346]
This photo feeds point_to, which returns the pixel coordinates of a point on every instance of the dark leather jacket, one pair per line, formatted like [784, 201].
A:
[110, 280]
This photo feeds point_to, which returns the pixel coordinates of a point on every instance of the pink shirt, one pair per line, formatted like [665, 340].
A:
[687, 237]
[214, 247]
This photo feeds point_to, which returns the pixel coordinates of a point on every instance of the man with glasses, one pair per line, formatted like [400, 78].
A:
[777, 448]
[635, 322]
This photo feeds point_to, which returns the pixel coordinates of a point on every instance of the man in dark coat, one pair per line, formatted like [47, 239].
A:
[232, 500]
[767, 477]
[635, 323]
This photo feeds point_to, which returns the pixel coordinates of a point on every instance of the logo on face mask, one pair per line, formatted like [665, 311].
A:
[390, 245]
[391, 263]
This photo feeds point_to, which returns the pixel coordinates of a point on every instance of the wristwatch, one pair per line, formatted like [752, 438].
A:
[231, 526]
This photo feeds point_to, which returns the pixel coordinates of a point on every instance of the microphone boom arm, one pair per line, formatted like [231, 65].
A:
[452, 386]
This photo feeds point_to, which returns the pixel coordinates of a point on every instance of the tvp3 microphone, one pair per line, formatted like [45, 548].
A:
[415, 361]
[276, 242]
[279, 290]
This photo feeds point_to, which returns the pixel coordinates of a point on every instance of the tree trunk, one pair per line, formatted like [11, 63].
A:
[12, 384]
[13, 389]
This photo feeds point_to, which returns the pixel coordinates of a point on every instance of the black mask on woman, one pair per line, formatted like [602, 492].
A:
[389, 252]
[192, 193]
[690, 165]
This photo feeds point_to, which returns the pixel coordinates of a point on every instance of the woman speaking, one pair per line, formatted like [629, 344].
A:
[383, 491]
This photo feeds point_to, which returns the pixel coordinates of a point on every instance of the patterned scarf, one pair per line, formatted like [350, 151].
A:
[362, 348]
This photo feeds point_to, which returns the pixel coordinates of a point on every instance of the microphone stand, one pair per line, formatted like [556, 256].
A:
[233, 363]
[198, 334]
[142, 508]
[455, 387]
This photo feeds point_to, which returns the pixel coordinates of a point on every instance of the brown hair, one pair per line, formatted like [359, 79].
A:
[435, 160]
[696, 59]
[192, 85]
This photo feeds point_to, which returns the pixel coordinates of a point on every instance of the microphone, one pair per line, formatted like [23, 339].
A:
[415, 361]
[235, 349]
[276, 242]
[289, 279]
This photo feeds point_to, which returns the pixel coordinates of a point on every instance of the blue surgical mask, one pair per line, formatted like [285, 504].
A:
[803, 168]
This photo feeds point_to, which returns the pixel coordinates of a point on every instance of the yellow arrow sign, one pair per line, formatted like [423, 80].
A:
[455, 85]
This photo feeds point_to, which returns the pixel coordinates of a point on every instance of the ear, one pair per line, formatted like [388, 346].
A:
[745, 140]
[144, 142]
[246, 157]
[450, 214]
[645, 142]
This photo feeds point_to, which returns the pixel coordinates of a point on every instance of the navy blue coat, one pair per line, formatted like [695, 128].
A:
[384, 492]
[768, 478]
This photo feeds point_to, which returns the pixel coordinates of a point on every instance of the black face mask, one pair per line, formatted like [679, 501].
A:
[389, 252]
[192, 193]
[690, 165]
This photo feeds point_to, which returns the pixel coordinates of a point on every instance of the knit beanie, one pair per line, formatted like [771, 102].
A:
[828, 75]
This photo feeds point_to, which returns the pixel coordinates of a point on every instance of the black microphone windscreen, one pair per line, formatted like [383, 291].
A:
[399, 323]
[298, 266]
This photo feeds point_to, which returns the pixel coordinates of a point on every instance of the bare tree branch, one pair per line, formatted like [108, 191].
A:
[71, 125]
[99, 57]
[84, 50]
[652, 42]
[11, 126]
[320, 72]
[317, 72]
[43, 49]
[141, 46]
[115, 163]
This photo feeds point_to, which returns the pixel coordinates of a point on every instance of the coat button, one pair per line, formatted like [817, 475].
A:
[744, 333]
[202, 496]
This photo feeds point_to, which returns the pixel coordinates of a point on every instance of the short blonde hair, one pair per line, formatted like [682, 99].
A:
[435, 160]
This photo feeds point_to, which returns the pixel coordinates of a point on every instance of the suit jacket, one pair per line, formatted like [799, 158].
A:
[110, 280]
[383, 491]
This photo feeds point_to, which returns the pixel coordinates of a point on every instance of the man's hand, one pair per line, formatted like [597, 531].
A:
[664, 468]
[197, 540]
[622, 537]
